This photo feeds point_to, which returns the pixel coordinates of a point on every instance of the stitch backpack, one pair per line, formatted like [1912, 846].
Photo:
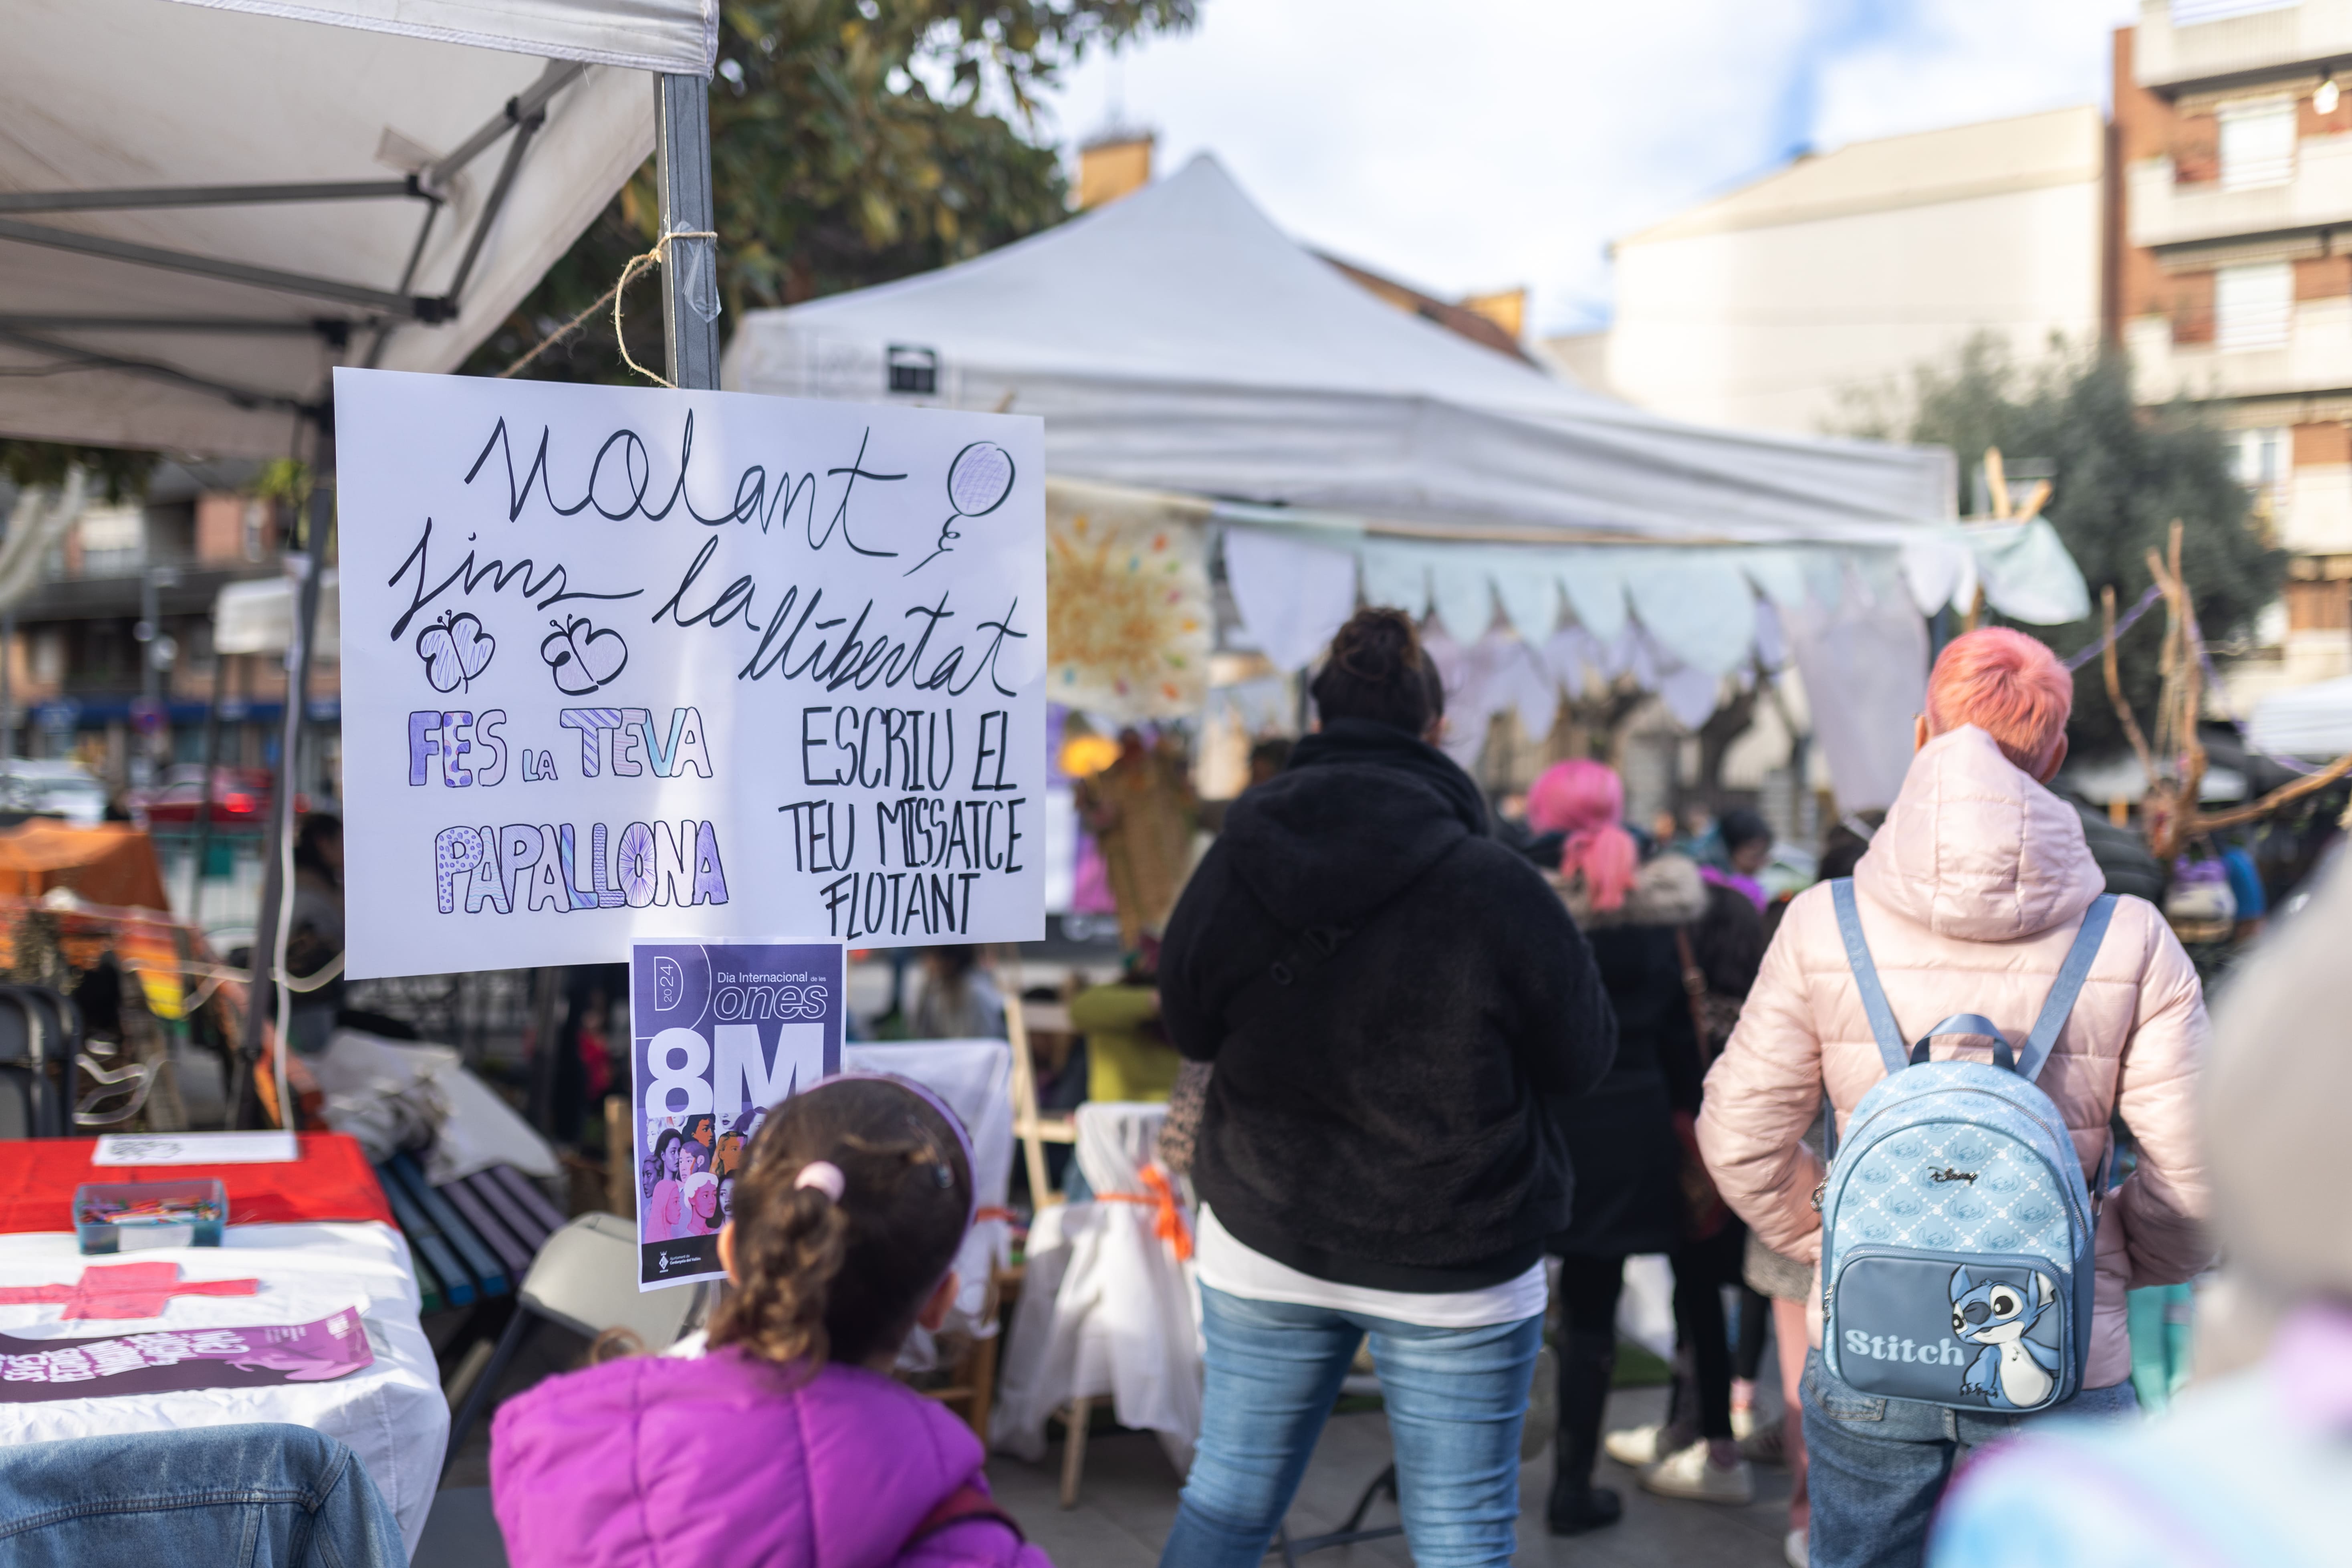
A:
[1956, 1229]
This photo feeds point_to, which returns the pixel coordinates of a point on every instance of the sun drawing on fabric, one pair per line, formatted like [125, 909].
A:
[1116, 609]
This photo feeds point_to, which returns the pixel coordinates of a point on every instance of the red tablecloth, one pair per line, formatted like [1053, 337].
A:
[331, 1180]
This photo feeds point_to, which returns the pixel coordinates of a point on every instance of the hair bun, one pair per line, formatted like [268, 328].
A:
[1377, 669]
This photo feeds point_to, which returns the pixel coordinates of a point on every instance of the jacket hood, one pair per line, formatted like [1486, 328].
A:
[1668, 892]
[1974, 849]
[1361, 811]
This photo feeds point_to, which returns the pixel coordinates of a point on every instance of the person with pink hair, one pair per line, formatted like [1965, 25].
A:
[1630, 1195]
[1969, 898]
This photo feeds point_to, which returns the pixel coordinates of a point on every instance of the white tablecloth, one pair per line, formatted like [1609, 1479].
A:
[391, 1415]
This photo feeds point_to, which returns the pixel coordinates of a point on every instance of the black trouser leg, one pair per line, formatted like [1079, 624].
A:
[1588, 1358]
[1699, 1279]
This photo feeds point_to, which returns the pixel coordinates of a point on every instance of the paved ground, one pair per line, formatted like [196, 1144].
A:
[1129, 1498]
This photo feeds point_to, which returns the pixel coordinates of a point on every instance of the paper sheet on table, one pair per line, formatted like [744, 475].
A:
[194, 1149]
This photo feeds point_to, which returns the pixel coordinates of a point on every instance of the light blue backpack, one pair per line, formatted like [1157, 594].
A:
[1957, 1230]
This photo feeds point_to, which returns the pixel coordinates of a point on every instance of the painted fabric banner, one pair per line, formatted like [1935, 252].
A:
[162, 1361]
[621, 662]
[720, 1034]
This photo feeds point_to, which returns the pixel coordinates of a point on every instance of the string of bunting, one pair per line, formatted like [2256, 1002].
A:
[657, 257]
[2147, 602]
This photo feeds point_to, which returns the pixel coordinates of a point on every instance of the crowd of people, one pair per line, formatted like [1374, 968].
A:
[1437, 1076]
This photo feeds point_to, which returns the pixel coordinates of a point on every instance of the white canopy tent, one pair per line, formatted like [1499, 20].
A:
[1177, 342]
[207, 205]
[2313, 721]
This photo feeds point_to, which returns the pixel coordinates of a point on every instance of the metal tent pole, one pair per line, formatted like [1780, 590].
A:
[690, 275]
[269, 933]
[205, 810]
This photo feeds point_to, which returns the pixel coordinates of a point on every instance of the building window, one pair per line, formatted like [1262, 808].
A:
[2258, 458]
[2257, 143]
[2318, 606]
[2253, 306]
[113, 540]
[48, 657]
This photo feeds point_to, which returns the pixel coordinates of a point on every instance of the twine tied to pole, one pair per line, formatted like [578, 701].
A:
[657, 257]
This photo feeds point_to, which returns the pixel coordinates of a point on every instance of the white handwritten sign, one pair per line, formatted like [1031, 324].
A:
[621, 663]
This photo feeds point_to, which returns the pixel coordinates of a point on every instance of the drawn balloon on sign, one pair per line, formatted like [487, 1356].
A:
[979, 481]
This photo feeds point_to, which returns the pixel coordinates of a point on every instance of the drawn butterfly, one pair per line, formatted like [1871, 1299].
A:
[582, 658]
[456, 649]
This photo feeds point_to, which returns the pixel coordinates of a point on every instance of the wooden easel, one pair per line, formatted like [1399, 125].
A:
[1034, 1129]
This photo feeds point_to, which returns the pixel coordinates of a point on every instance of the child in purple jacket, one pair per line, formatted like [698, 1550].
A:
[789, 1444]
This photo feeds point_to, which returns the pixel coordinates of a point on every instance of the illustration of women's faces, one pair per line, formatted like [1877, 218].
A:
[672, 1160]
[727, 1200]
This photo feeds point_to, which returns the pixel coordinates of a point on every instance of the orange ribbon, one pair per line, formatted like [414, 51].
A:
[1168, 1221]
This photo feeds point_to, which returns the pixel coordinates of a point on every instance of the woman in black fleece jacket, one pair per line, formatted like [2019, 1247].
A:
[1389, 996]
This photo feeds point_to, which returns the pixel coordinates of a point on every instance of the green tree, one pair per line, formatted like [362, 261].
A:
[119, 473]
[852, 141]
[2122, 475]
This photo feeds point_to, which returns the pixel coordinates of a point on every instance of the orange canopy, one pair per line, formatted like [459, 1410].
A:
[111, 864]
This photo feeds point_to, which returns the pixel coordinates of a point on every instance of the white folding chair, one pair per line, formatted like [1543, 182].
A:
[975, 1078]
[1107, 1310]
[584, 1279]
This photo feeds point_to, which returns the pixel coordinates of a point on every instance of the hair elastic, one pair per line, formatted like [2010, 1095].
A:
[824, 1176]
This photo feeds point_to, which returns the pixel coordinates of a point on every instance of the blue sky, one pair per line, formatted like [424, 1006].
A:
[1475, 144]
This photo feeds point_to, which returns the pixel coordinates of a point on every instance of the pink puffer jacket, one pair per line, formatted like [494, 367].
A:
[1970, 898]
[724, 1459]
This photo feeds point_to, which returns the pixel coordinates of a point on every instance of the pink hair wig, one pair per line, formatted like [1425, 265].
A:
[2007, 685]
[1586, 800]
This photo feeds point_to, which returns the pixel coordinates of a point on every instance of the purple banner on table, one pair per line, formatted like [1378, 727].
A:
[166, 1361]
[722, 1033]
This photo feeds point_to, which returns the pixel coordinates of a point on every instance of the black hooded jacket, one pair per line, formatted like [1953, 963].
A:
[1378, 1120]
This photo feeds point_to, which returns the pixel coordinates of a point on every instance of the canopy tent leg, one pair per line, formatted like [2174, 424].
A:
[270, 932]
[690, 266]
[205, 808]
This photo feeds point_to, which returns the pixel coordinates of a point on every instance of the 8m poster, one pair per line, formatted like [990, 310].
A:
[623, 663]
[720, 1034]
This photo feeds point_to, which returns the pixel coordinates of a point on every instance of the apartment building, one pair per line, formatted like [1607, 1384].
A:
[2230, 277]
[1763, 307]
[78, 686]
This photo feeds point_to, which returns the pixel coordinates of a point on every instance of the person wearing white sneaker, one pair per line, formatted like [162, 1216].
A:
[1635, 1446]
[1709, 1470]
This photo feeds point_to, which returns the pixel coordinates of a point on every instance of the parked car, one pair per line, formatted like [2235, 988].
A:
[240, 797]
[52, 786]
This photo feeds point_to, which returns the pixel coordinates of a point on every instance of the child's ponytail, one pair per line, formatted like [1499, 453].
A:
[786, 1265]
[853, 1200]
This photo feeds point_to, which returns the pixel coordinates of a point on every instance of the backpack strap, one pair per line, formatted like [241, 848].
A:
[966, 1504]
[1865, 977]
[2071, 975]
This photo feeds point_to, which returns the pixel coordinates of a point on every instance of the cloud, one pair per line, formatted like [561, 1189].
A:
[1488, 143]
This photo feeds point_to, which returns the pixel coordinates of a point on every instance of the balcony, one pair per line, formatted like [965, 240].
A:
[2315, 357]
[2317, 516]
[2159, 212]
[2240, 42]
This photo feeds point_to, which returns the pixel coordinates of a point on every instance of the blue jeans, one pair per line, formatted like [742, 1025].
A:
[1875, 1468]
[240, 1496]
[1456, 1400]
